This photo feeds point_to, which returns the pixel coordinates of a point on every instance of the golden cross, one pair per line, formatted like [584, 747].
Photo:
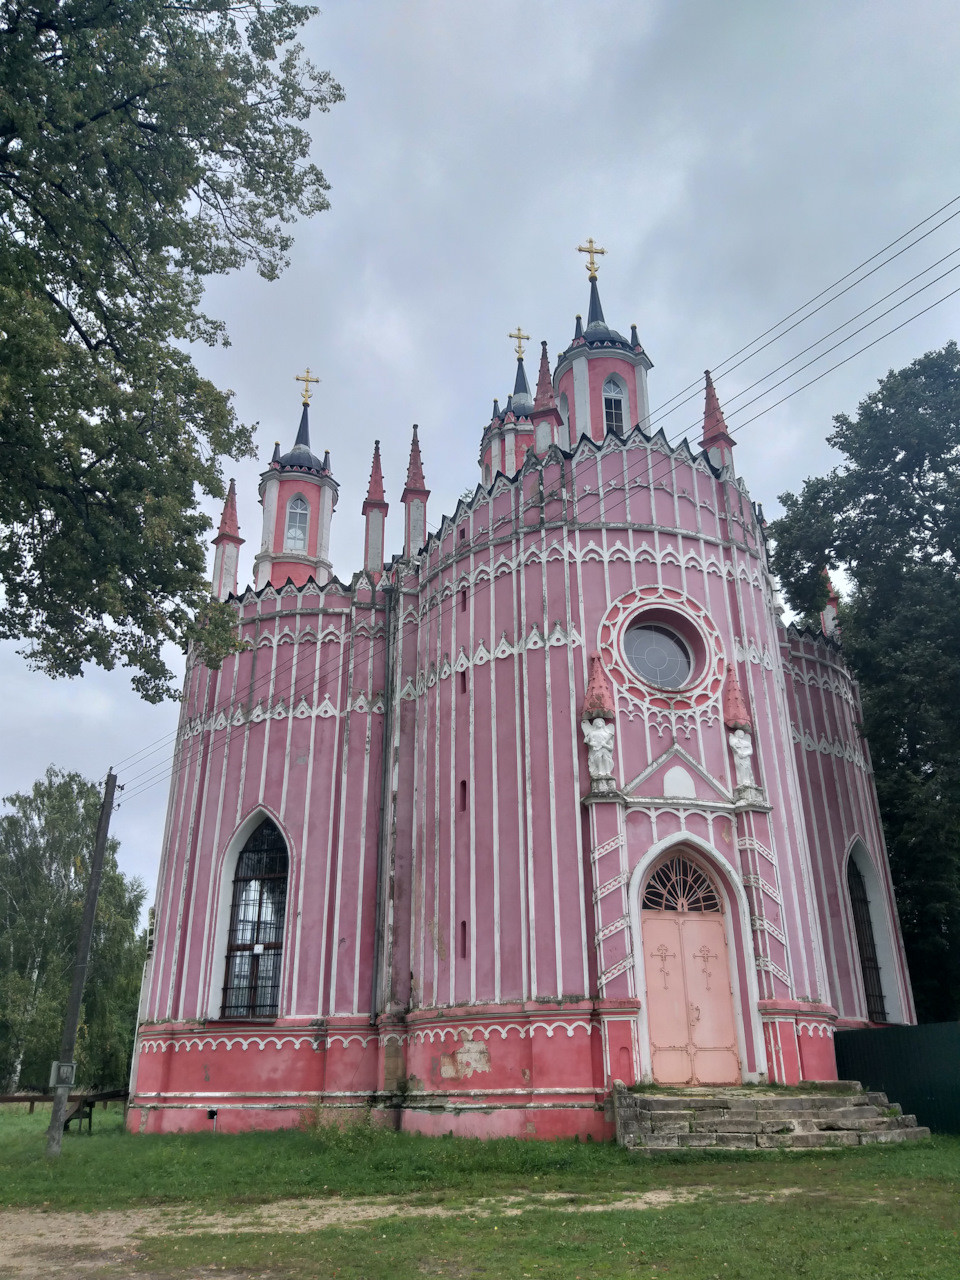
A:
[591, 249]
[306, 380]
[521, 338]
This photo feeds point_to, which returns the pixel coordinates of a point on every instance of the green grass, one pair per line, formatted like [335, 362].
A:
[804, 1237]
[113, 1169]
[889, 1212]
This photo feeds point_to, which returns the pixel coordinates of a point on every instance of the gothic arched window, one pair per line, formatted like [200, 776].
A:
[613, 405]
[866, 943]
[251, 986]
[298, 520]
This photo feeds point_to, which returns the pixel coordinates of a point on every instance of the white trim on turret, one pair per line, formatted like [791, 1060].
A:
[581, 396]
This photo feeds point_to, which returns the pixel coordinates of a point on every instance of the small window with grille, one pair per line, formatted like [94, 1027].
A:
[298, 521]
[866, 944]
[613, 405]
[251, 987]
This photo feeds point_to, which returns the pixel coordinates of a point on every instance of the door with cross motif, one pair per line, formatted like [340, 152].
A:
[690, 1011]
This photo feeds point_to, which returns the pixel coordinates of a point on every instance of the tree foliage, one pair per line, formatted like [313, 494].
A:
[144, 145]
[46, 844]
[889, 516]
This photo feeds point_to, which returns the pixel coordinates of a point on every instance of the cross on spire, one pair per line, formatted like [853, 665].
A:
[306, 379]
[521, 338]
[591, 249]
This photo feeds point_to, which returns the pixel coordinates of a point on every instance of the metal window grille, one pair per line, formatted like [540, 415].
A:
[251, 987]
[680, 885]
[298, 518]
[866, 944]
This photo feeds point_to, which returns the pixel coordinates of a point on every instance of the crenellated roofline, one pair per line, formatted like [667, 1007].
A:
[612, 440]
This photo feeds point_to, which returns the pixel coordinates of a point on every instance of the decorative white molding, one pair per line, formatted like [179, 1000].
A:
[758, 882]
[362, 701]
[821, 1028]
[826, 747]
[615, 970]
[523, 1030]
[615, 926]
[608, 886]
[608, 846]
[162, 1044]
[768, 966]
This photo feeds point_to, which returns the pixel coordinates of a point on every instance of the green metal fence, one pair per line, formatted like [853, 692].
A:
[919, 1067]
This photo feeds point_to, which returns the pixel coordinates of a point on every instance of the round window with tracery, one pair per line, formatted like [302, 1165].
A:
[658, 655]
[680, 885]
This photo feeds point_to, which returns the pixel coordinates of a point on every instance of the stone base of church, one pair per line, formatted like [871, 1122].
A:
[799, 1040]
[535, 1069]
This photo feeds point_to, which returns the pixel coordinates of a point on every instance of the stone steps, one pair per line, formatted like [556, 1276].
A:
[748, 1119]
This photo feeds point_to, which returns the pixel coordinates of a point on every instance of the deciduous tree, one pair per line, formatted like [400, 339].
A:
[144, 145]
[46, 842]
[889, 516]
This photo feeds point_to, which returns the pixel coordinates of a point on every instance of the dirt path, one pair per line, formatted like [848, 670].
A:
[78, 1246]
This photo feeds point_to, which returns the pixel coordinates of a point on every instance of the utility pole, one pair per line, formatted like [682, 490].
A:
[63, 1072]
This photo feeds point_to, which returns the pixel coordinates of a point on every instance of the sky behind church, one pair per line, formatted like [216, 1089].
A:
[733, 160]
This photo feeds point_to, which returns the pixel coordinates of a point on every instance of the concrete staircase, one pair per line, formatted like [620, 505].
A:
[749, 1118]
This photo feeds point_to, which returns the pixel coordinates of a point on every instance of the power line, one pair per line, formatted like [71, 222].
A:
[150, 749]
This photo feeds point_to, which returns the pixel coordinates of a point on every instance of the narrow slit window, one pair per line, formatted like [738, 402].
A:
[463, 682]
[251, 987]
[463, 939]
[298, 521]
[866, 944]
[463, 795]
[463, 602]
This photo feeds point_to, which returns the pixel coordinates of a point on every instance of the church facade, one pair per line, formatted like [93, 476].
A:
[549, 799]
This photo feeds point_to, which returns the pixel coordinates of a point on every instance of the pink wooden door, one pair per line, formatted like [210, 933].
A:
[690, 1014]
[713, 1028]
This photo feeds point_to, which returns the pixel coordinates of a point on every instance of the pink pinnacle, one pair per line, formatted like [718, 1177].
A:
[375, 488]
[598, 699]
[714, 428]
[229, 524]
[736, 715]
[545, 397]
[415, 478]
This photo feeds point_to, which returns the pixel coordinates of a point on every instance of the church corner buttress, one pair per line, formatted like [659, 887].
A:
[550, 798]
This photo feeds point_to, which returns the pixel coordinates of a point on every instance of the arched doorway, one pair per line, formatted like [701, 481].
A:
[690, 1010]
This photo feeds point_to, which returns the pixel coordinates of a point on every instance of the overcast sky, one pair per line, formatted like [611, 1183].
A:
[733, 158]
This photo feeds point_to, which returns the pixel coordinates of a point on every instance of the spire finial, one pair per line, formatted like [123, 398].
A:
[306, 379]
[592, 249]
[521, 338]
[375, 487]
[229, 526]
[545, 397]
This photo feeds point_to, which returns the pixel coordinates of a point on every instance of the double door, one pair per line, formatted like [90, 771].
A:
[690, 1010]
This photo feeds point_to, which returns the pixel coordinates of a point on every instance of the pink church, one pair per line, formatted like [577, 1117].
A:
[551, 798]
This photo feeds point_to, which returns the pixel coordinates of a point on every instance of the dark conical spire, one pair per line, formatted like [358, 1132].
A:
[521, 387]
[303, 435]
[634, 336]
[595, 314]
[578, 329]
[275, 460]
[496, 411]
